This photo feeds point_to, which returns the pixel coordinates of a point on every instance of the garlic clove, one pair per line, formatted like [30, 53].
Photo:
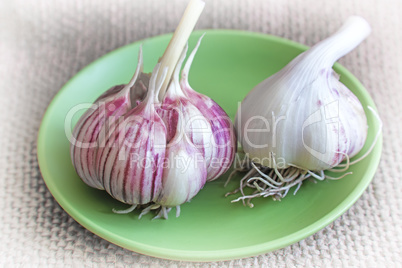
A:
[185, 175]
[176, 104]
[224, 142]
[93, 124]
[129, 165]
[184, 171]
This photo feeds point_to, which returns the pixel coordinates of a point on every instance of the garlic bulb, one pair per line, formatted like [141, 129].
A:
[155, 152]
[301, 120]
[303, 115]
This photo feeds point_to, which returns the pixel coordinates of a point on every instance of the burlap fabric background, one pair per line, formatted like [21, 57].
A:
[44, 43]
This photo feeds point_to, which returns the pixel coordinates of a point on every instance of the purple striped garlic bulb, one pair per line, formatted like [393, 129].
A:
[151, 152]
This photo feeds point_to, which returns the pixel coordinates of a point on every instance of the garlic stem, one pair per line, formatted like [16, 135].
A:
[328, 51]
[179, 40]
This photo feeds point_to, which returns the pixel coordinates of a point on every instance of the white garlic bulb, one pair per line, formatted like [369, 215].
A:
[303, 115]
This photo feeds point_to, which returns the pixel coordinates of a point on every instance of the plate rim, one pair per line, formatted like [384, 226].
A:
[216, 255]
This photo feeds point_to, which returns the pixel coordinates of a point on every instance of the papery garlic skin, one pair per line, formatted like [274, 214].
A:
[303, 115]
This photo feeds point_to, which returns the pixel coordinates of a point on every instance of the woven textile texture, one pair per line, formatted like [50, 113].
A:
[45, 43]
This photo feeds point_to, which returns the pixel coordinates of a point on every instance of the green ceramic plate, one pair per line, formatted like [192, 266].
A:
[227, 66]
